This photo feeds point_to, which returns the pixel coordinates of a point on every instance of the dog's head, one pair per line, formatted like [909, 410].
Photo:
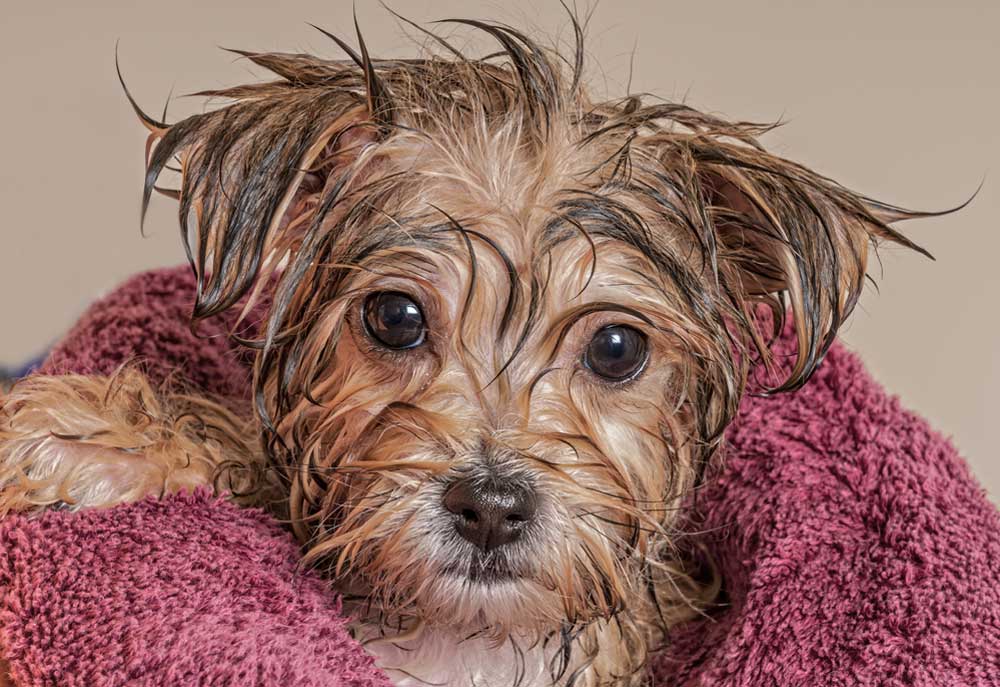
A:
[508, 323]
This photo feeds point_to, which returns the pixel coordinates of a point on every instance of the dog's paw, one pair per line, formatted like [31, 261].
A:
[83, 442]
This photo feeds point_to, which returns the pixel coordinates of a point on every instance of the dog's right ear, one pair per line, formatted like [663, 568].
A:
[259, 173]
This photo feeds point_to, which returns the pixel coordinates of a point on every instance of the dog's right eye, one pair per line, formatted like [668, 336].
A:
[617, 353]
[394, 320]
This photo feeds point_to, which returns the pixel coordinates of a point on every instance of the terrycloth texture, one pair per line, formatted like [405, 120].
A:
[855, 546]
[187, 591]
[146, 321]
[856, 549]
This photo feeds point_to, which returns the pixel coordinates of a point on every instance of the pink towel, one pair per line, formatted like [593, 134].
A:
[855, 546]
[186, 591]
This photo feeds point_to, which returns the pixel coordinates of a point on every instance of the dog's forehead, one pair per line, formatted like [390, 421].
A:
[482, 214]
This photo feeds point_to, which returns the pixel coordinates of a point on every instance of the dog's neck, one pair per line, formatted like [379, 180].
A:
[452, 657]
[440, 656]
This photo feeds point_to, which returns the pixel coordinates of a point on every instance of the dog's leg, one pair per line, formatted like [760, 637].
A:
[82, 442]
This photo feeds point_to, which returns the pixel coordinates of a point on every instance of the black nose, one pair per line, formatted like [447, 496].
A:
[490, 513]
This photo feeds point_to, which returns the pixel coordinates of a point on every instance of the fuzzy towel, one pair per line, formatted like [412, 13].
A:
[187, 591]
[855, 546]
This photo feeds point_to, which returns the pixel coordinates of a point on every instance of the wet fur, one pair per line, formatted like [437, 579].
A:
[523, 215]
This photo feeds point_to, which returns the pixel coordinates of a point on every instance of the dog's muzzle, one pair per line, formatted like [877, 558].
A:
[490, 513]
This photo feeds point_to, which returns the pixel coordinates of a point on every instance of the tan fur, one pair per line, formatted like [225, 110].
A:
[85, 442]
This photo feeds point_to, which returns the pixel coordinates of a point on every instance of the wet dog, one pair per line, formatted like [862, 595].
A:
[505, 327]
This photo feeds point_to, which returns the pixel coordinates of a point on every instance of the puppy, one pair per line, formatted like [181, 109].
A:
[506, 326]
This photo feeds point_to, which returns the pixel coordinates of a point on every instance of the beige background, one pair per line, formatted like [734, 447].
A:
[898, 99]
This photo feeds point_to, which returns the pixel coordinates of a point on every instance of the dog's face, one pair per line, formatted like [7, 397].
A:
[505, 409]
[508, 324]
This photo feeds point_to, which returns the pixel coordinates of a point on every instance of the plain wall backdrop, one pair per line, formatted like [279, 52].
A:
[900, 100]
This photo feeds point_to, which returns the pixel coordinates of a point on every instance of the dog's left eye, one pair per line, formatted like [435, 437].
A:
[617, 352]
[394, 320]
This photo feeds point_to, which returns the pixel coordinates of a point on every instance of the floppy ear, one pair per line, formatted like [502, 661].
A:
[793, 239]
[258, 173]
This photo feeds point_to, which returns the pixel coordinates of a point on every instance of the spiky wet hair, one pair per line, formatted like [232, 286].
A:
[288, 152]
[292, 187]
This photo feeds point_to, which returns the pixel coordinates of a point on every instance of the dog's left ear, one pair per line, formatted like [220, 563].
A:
[259, 174]
[791, 238]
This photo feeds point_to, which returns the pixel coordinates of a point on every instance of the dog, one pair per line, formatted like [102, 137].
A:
[505, 327]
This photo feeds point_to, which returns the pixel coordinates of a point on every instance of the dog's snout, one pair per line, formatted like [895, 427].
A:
[490, 513]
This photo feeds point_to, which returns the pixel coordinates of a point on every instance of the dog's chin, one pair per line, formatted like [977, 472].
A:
[477, 595]
[495, 603]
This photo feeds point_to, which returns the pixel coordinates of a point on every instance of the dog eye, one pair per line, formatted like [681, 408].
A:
[394, 320]
[616, 352]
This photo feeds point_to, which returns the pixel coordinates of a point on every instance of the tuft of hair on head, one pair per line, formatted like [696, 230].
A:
[270, 175]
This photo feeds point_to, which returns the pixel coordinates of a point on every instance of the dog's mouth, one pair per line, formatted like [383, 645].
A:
[484, 569]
